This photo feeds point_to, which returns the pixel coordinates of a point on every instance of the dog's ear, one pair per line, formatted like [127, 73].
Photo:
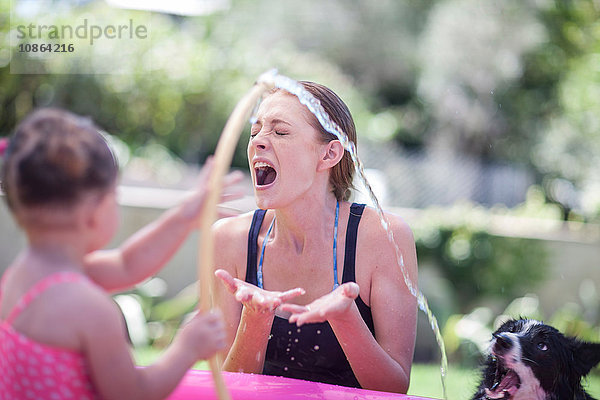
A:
[586, 355]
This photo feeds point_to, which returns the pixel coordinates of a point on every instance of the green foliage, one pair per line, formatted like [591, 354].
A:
[152, 318]
[478, 263]
[176, 90]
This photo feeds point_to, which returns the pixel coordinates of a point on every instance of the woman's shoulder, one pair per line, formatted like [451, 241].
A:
[379, 255]
[233, 227]
[231, 239]
[372, 225]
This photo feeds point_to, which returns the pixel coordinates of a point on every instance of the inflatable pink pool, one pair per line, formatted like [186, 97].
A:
[199, 385]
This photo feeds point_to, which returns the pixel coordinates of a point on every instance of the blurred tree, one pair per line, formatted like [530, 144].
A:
[512, 82]
[177, 90]
[375, 43]
[480, 265]
[473, 60]
[568, 152]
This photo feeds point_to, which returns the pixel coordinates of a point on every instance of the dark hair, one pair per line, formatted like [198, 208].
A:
[342, 173]
[53, 158]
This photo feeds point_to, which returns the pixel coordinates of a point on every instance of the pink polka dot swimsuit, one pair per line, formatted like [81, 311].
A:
[32, 370]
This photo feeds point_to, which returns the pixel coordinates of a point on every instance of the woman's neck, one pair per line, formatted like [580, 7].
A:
[305, 221]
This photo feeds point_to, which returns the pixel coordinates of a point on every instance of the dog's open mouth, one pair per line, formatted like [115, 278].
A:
[506, 383]
[265, 174]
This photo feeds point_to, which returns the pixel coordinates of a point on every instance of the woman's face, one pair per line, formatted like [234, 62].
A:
[283, 151]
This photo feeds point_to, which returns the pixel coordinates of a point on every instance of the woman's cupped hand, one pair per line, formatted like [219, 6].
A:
[333, 305]
[253, 297]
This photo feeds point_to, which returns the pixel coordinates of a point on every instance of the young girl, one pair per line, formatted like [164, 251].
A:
[61, 335]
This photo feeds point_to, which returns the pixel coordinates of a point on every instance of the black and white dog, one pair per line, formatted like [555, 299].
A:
[532, 361]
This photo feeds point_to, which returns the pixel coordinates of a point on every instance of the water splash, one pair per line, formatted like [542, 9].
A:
[272, 78]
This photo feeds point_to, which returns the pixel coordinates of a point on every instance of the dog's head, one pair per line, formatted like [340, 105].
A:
[532, 360]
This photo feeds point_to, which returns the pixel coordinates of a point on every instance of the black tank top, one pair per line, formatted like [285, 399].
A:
[310, 352]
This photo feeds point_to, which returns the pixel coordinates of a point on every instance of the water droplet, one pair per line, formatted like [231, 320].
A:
[289, 332]
[287, 350]
[298, 330]
[292, 358]
[316, 347]
[318, 331]
[285, 368]
[296, 340]
[270, 337]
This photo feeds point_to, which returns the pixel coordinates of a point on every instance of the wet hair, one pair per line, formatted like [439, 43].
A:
[54, 158]
[342, 173]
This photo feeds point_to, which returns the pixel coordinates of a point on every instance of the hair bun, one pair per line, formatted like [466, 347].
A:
[67, 156]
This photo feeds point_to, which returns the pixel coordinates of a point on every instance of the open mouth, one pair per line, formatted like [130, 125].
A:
[506, 383]
[265, 173]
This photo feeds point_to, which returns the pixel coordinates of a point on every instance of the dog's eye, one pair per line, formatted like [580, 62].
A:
[542, 346]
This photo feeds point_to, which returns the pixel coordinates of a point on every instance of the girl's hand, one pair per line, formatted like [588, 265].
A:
[192, 205]
[254, 298]
[331, 306]
[204, 334]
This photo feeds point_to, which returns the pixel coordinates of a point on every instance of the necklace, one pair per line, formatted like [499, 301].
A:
[259, 273]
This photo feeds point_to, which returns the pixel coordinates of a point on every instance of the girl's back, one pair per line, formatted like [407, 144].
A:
[34, 370]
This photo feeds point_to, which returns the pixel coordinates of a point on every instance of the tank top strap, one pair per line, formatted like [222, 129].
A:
[356, 211]
[2, 280]
[251, 268]
[40, 287]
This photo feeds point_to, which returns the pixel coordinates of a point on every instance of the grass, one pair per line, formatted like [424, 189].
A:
[425, 379]
[461, 382]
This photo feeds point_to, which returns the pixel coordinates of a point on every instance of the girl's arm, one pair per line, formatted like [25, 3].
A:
[393, 308]
[112, 369]
[147, 251]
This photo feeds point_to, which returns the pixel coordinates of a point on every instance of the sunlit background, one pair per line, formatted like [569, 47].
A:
[478, 121]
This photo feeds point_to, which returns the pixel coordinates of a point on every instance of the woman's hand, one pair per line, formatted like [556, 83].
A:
[254, 298]
[331, 306]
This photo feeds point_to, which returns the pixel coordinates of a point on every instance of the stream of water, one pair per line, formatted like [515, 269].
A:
[314, 106]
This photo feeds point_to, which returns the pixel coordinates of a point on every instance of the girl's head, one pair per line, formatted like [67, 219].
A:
[54, 160]
[296, 136]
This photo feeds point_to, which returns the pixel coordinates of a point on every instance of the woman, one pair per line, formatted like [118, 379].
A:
[351, 322]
